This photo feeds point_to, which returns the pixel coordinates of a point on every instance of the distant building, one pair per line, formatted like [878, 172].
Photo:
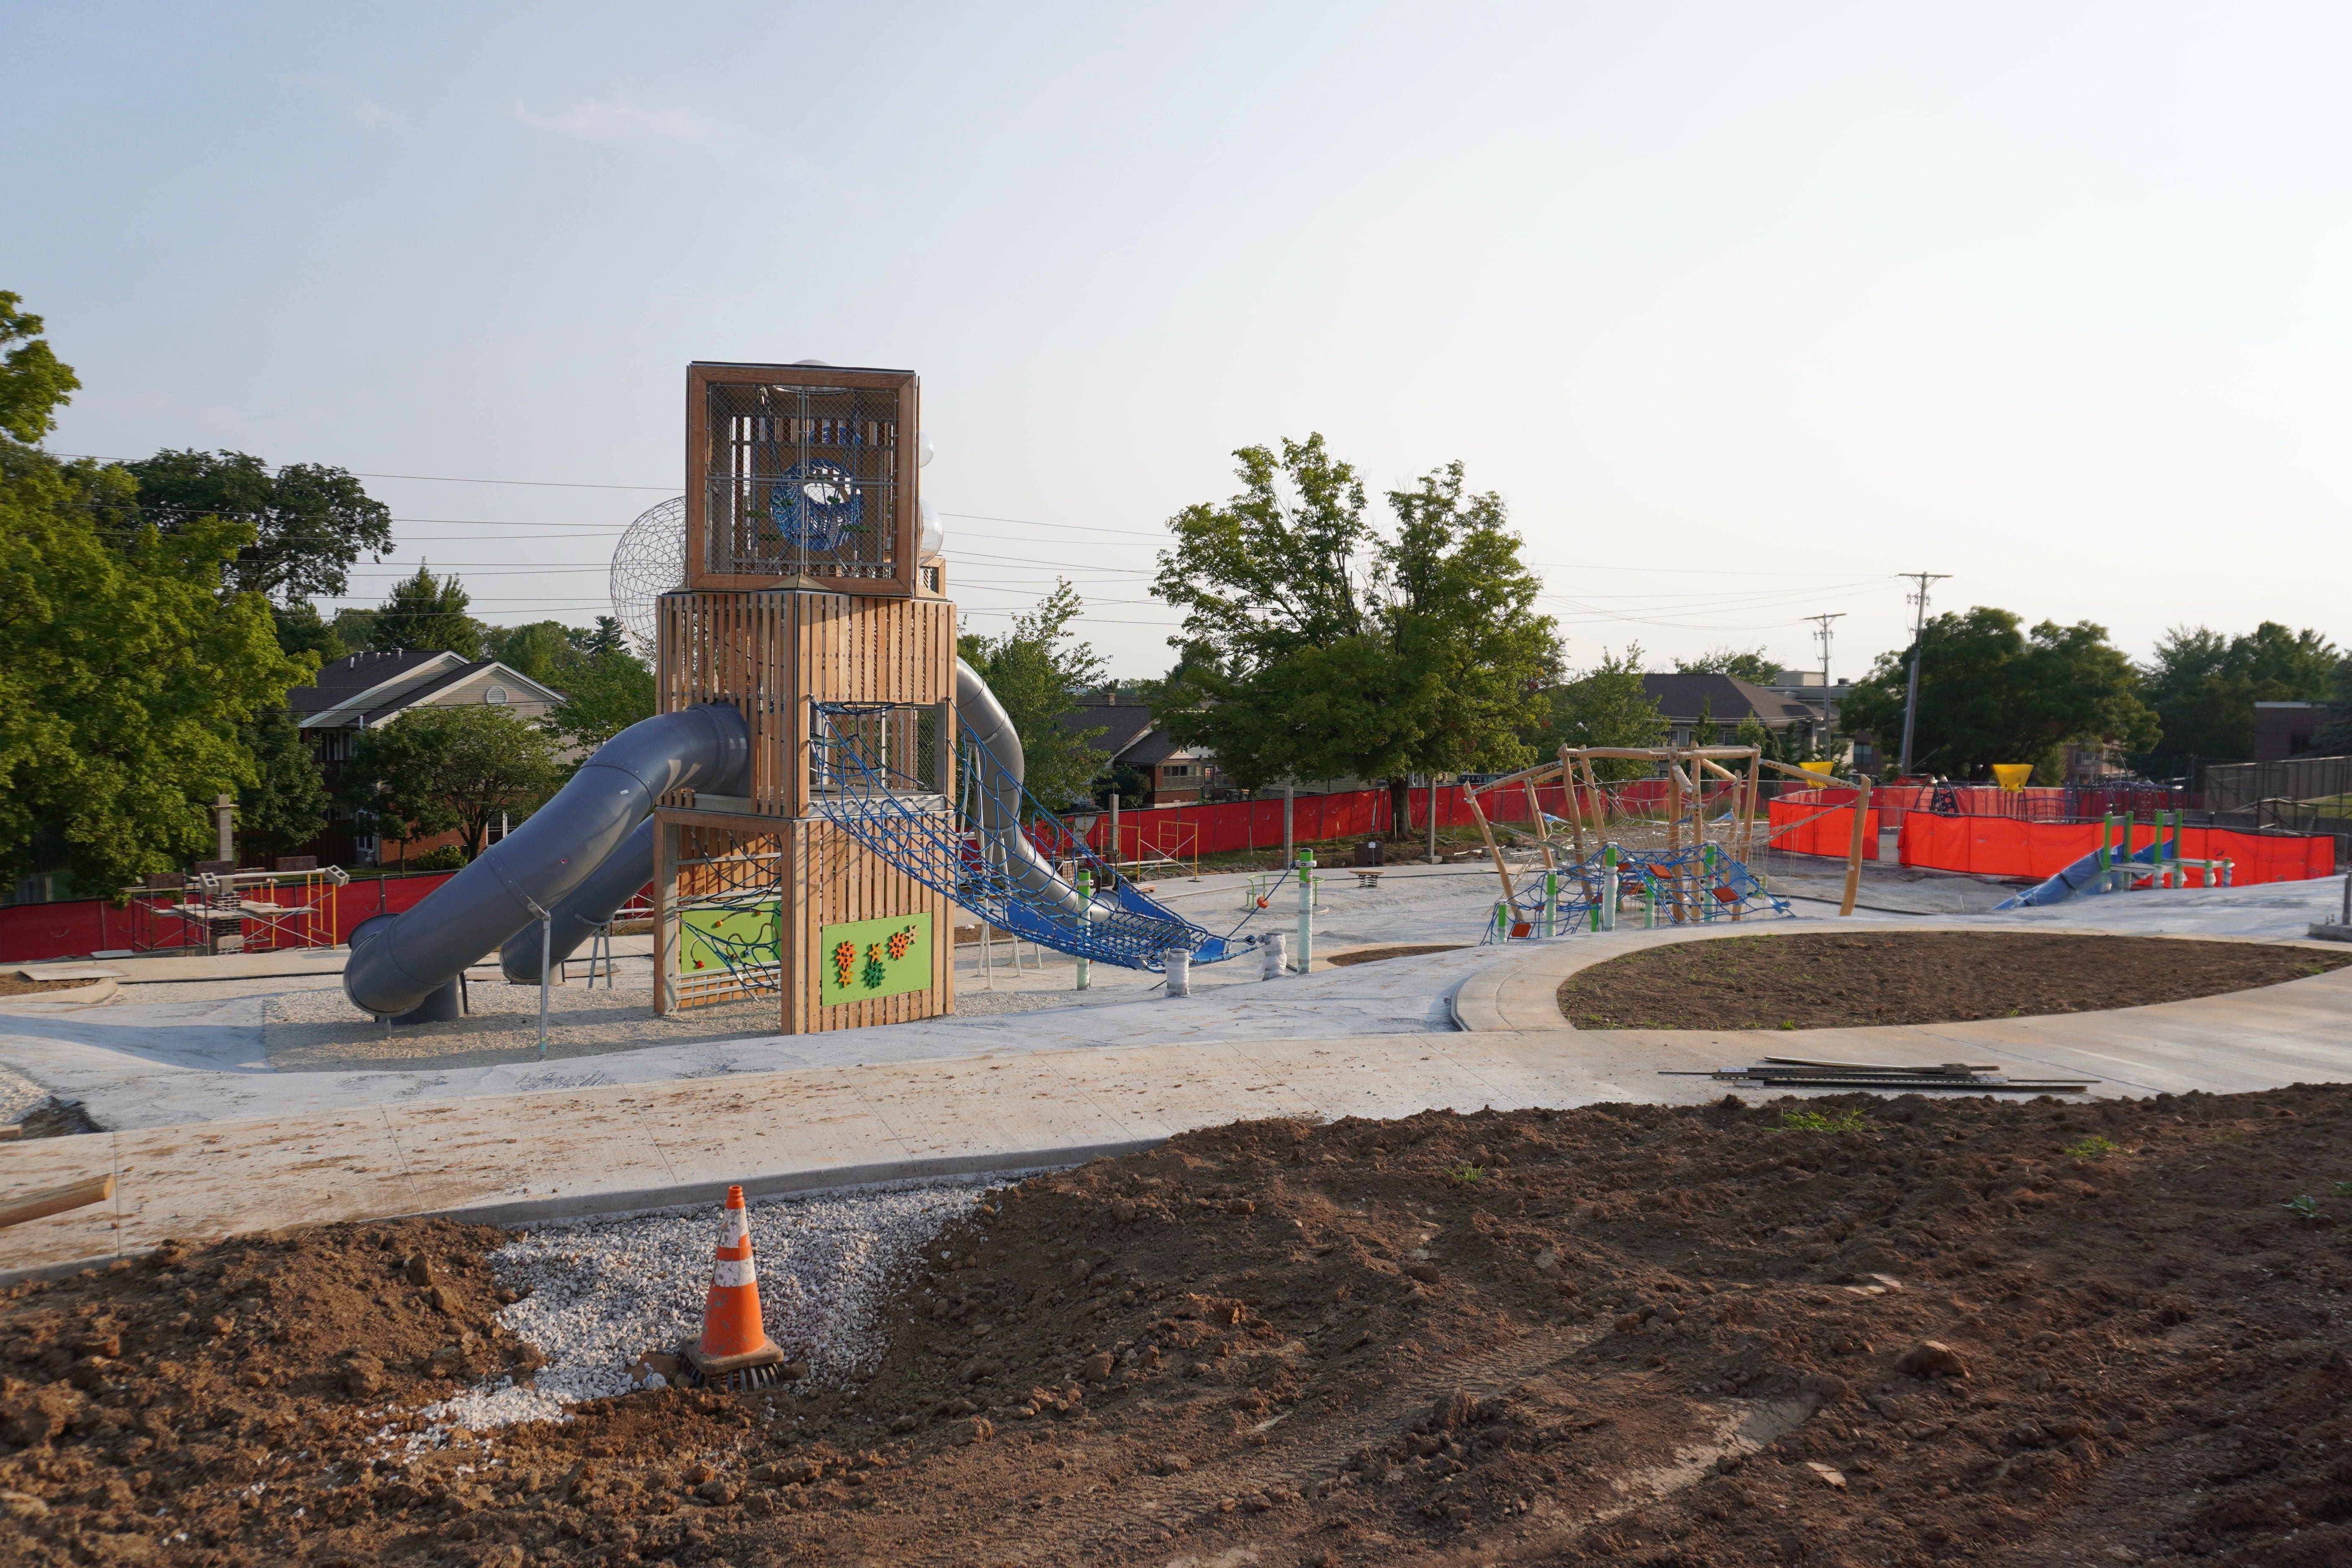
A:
[367, 691]
[1726, 700]
[1174, 774]
[2284, 730]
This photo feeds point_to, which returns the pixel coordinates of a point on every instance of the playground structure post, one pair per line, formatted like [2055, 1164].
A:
[1552, 903]
[1605, 914]
[1432, 819]
[1084, 882]
[1288, 791]
[1115, 852]
[546, 962]
[1306, 912]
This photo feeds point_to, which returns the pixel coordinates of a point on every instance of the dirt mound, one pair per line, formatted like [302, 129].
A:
[1845, 1331]
[1826, 981]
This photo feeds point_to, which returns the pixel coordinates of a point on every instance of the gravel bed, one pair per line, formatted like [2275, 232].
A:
[601, 1293]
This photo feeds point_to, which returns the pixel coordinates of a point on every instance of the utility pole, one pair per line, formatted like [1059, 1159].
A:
[1918, 630]
[1821, 636]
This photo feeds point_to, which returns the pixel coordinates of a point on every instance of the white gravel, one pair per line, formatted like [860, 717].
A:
[604, 1291]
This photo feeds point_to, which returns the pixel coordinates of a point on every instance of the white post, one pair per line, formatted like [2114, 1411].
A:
[1114, 830]
[1277, 961]
[1086, 885]
[1552, 903]
[1609, 887]
[546, 955]
[1306, 912]
[1288, 791]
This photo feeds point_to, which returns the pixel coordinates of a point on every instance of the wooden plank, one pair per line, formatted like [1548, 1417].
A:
[1854, 854]
[57, 1200]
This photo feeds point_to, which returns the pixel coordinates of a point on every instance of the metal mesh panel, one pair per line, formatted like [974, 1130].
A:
[801, 481]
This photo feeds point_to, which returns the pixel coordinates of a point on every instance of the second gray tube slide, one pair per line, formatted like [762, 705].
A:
[539, 864]
[586, 906]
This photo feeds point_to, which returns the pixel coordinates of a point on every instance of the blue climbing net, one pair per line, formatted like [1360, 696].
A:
[878, 791]
[1673, 887]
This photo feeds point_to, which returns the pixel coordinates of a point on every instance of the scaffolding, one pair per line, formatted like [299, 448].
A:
[223, 911]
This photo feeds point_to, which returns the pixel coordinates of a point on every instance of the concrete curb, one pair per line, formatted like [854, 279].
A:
[692, 1197]
[1520, 994]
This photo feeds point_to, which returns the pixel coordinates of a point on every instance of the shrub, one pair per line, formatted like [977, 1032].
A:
[448, 857]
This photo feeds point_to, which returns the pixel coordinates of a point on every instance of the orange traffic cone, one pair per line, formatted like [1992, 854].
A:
[734, 1350]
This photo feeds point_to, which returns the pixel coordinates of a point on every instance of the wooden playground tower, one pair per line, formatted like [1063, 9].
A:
[808, 607]
[1681, 824]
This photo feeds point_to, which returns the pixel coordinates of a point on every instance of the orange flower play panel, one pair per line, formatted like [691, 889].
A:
[879, 957]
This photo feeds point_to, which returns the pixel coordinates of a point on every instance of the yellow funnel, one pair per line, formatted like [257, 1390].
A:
[2012, 775]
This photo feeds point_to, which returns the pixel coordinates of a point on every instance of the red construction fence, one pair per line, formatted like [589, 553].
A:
[75, 928]
[1994, 846]
[1820, 822]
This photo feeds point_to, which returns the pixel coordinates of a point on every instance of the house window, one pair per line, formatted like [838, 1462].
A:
[1176, 771]
[495, 694]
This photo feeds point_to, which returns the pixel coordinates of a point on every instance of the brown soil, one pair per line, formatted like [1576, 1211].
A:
[1824, 981]
[1374, 955]
[10, 985]
[1965, 1332]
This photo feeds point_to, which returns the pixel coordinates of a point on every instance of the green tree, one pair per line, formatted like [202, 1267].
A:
[543, 650]
[441, 769]
[1752, 665]
[124, 675]
[2334, 738]
[1317, 646]
[1605, 706]
[425, 612]
[33, 384]
[311, 523]
[1992, 693]
[302, 630]
[604, 694]
[2203, 687]
[604, 636]
[284, 806]
[1037, 671]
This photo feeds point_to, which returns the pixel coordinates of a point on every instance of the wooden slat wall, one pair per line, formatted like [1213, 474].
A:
[772, 653]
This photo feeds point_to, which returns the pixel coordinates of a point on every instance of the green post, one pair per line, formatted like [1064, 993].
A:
[1086, 903]
[1552, 903]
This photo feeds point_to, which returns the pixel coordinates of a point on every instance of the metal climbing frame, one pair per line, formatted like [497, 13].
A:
[980, 847]
[1678, 887]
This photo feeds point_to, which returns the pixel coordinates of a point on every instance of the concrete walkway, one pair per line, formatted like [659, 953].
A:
[1058, 1086]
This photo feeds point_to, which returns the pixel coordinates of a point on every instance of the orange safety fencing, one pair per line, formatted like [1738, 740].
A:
[1820, 822]
[1998, 847]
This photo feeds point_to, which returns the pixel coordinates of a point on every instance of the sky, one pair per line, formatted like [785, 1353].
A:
[1744, 311]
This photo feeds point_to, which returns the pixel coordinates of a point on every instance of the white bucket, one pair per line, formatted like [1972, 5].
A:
[1180, 972]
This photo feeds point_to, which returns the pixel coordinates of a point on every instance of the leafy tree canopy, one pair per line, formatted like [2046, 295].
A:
[125, 673]
[427, 613]
[604, 694]
[1319, 646]
[311, 523]
[33, 384]
[438, 769]
[1990, 691]
[284, 805]
[1753, 665]
[1605, 706]
[2203, 687]
[1038, 670]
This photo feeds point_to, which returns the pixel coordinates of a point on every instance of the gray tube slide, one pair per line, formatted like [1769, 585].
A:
[587, 906]
[538, 865]
[998, 796]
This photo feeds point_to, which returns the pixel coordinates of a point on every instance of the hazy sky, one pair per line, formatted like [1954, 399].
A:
[1743, 309]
